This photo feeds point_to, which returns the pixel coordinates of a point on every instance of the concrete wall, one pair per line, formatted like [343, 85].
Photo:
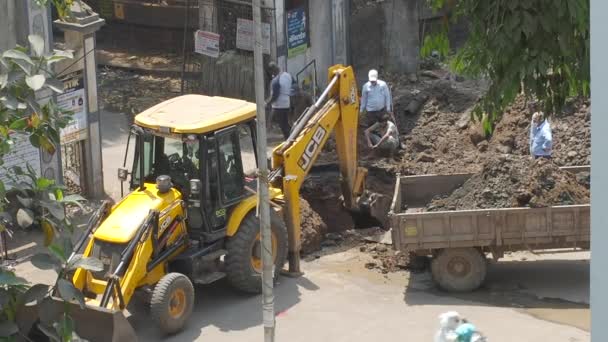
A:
[320, 21]
[8, 30]
[385, 36]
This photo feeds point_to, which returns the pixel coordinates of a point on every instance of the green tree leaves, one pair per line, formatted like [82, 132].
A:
[536, 47]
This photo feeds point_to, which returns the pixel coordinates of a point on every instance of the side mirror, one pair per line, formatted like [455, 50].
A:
[195, 186]
[123, 174]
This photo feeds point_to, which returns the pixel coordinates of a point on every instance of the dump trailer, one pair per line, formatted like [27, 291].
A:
[190, 214]
[458, 241]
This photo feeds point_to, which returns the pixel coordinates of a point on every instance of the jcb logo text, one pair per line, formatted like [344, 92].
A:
[311, 148]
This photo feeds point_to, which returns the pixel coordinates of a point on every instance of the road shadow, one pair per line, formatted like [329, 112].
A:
[219, 305]
[555, 290]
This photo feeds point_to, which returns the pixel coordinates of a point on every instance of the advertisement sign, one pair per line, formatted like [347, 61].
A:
[73, 99]
[22, 153]
[297, 34]
[207, 43]
[244, 35]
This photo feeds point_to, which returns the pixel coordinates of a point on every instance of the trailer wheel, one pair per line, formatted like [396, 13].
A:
[459, 269]
[243, 259]
[172, 302]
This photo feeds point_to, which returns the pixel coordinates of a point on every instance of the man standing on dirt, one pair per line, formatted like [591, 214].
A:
[386, 142]
[541, 140]
[279, 98]
[376, 99]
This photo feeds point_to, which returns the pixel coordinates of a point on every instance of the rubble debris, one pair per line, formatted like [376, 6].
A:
[130, 93]
[381, 238]
[515, 181]
[571, 133]
[313, 228]
[425, 158]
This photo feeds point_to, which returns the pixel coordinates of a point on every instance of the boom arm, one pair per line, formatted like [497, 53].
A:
[337, 109]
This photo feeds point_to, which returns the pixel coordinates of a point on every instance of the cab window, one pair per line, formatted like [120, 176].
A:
[230, 166]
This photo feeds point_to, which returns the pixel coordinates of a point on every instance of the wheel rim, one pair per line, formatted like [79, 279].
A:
[256, 252]
[459, 267]
[177, 304]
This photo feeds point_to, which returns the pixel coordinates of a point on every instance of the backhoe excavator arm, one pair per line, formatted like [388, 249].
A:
[336, 110]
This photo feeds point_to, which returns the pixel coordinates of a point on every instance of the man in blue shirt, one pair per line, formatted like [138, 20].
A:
[541, 140]
[376, 99]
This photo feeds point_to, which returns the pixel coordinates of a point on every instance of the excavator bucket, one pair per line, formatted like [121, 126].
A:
[91, 323]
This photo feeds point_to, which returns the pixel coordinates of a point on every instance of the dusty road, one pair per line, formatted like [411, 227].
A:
[338, 299]
[527, 297]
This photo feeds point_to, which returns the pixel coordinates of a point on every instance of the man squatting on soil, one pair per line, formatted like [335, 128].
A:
[280, 98]
[388, 142]
[375, 99]
[541, 141]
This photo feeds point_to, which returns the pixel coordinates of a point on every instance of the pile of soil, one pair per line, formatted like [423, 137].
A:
[515, 181]
[385, 258]
[370, 241]
[313, 229]
[322, 190]
[439, 137]
[571, 131]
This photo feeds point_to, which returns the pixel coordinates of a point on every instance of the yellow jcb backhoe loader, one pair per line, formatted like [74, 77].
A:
[190, 216]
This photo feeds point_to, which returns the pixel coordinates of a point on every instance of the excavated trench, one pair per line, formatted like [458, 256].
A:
[322, 210]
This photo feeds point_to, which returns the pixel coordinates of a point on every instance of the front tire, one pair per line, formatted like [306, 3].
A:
[243, 258]
[172, 302]
[459, 269]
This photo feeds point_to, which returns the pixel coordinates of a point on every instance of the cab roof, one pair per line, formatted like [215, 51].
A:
[196, 114]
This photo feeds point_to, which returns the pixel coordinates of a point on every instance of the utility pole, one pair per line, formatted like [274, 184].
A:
[263, 200]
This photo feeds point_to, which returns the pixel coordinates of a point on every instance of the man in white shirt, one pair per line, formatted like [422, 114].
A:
[387, 142]
[376, 99]
[280, 98]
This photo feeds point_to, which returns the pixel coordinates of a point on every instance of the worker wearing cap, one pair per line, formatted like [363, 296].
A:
[541, 140]
[376, 99]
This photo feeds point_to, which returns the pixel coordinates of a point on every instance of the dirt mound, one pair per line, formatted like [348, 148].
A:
[515, 181]
[571, 131]
[433, 117]
[313, 228]
[385, 258]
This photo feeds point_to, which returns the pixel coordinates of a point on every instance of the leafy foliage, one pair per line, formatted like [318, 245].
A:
[536, 47]
[40, 202]
[26, 75]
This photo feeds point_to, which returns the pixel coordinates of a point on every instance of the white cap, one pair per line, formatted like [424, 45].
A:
[372, 75]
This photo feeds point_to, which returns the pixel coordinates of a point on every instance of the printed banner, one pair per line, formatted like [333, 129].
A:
[207, 43]
[245, 38]
[297, 36]
[74, 99]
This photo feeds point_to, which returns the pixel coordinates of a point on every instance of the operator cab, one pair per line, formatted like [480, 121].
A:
[207, 146]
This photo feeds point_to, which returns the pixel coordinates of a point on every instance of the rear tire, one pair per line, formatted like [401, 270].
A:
[241, 247]
[459, 269]
[172, 302]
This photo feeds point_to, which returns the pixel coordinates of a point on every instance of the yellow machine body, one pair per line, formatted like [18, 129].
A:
[149, 234]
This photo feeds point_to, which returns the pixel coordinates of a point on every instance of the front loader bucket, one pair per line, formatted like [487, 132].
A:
[91, 323]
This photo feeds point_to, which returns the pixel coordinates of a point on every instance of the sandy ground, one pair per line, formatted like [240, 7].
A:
[339, 300]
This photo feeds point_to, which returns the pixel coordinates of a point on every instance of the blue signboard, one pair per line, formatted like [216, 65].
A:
[297, 34]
